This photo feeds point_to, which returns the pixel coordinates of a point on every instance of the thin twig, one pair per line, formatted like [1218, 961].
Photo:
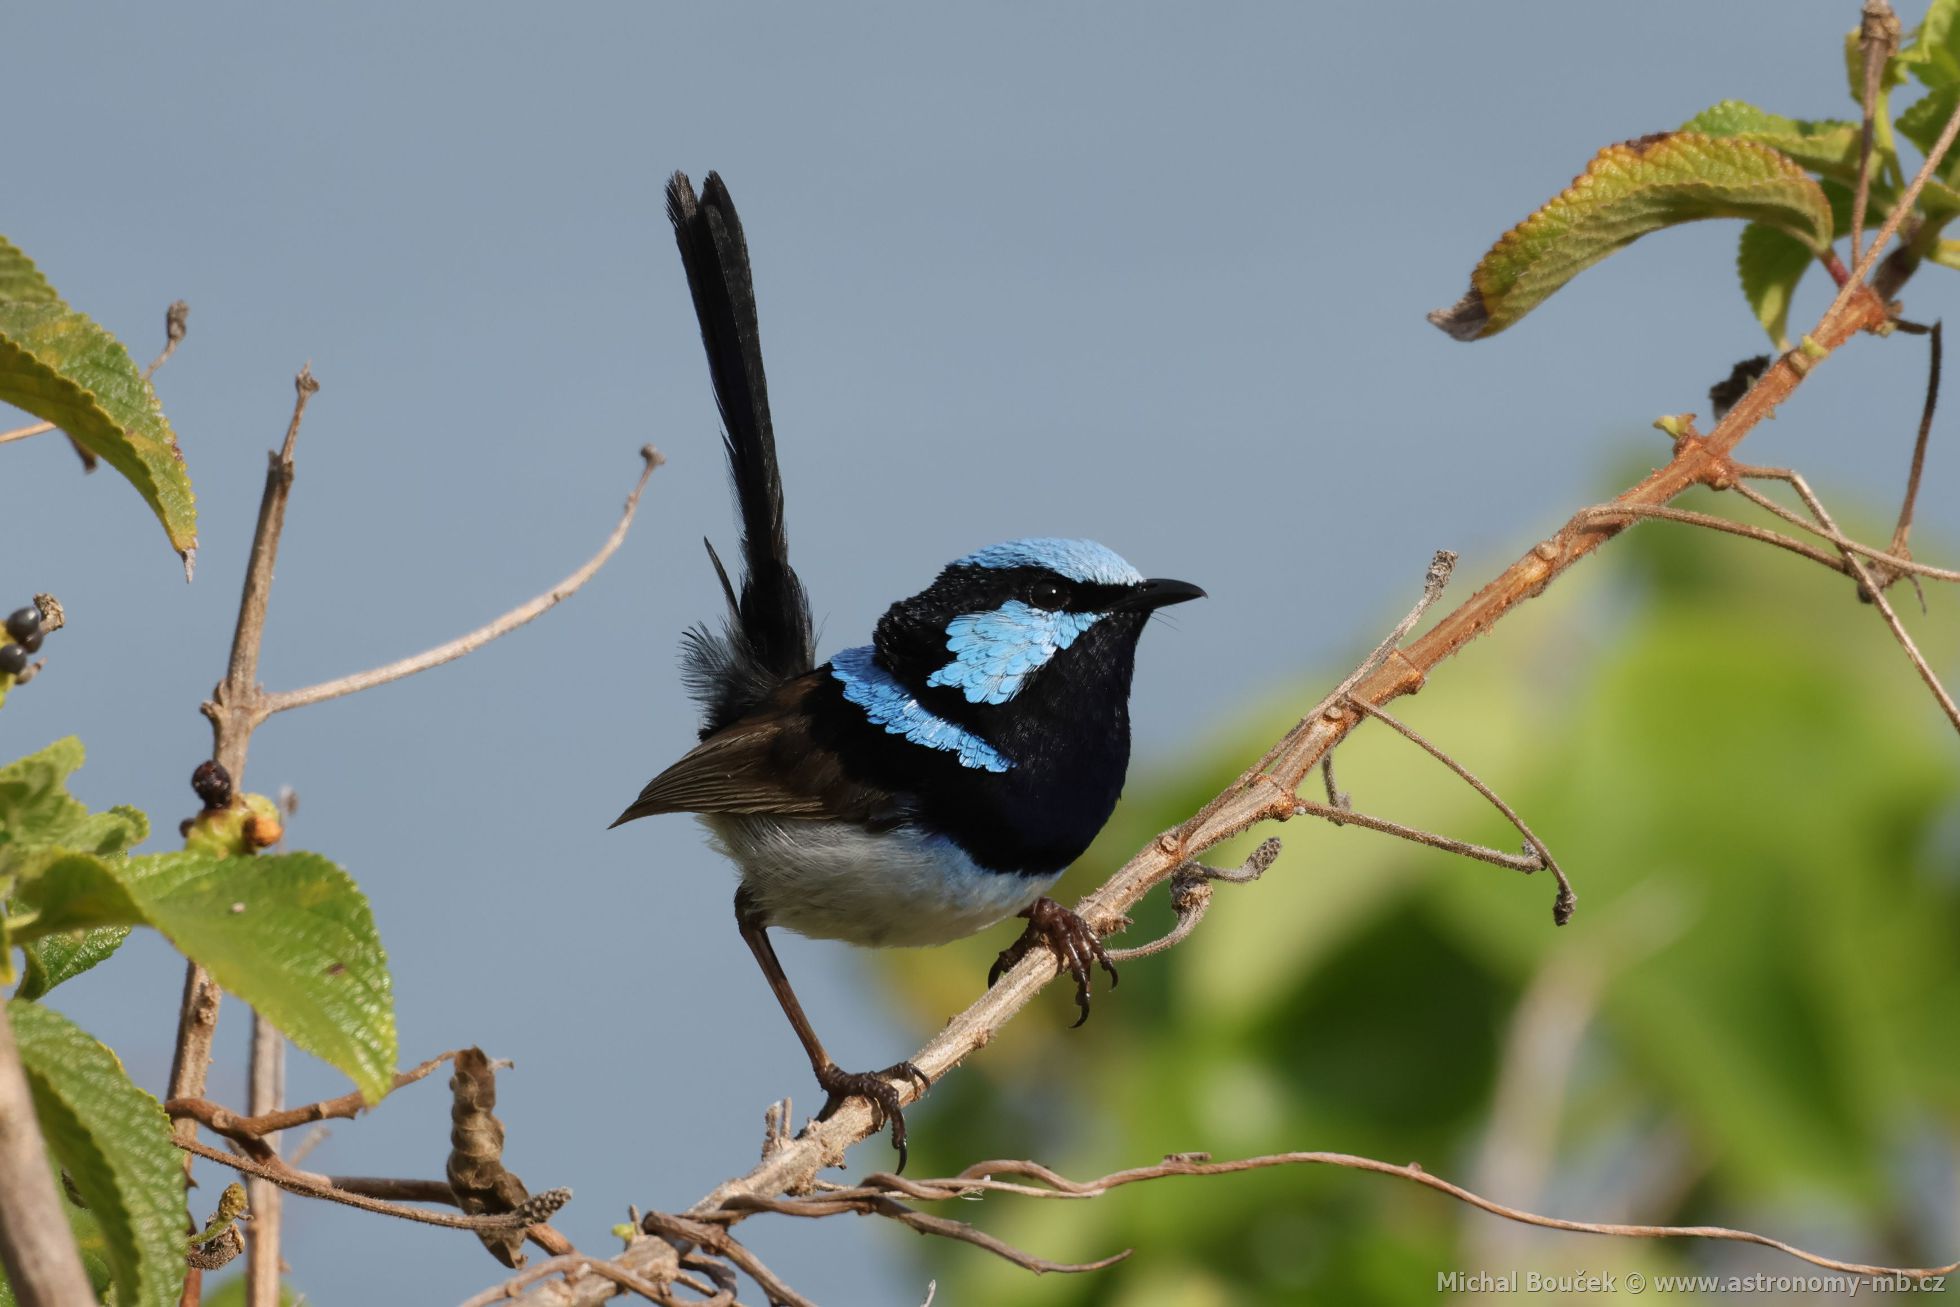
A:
[1609, 512]
[568, 1265]
[1903, 530]
[980, 1178]
[1841, 542]
[225, 1122]
[1191, 897]
[1518, 862]
[300, 1182]
[1867, 584]
[1863, 267]
[267, 1077]
[37, 1249]
[1878, 38]
[454, 649]
[727, 1246]
[1567, 900]
[231, 733]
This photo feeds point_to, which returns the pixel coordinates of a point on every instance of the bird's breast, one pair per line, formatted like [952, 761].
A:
[896, 887]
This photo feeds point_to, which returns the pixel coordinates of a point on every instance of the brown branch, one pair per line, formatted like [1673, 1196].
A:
[37, 1249]
[245, 1128]
[1269, 791]
[1566, 901]
[569, 1265]
[980, 1178]
[1868, 587]
[524, 613]
[317, 1186]
[1902, 532]
[231, 733]
[1878, 38]
[266, 1076]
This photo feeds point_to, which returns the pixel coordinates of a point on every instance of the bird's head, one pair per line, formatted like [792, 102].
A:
[1040, 620]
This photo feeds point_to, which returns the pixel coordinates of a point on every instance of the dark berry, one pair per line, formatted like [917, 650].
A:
[32, 641]
[23, 622]
[13, 660]
[213, 784]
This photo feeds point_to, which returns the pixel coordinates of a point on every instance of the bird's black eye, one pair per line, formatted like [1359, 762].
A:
[1051, 595]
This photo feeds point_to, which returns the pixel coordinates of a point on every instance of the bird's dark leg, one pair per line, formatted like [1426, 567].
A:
[1076, 943]
[873, 1086]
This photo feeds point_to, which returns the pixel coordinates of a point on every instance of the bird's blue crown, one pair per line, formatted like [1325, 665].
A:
[1078, 560]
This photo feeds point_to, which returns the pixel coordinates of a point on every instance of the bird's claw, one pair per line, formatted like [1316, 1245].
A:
[876, 1089]
[1075, 942]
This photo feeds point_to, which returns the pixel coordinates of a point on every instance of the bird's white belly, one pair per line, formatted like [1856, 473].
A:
[899, 887]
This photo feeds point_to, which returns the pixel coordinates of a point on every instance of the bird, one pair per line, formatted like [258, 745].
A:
[922, 787]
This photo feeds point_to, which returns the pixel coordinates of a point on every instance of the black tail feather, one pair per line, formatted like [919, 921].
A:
[769, 638]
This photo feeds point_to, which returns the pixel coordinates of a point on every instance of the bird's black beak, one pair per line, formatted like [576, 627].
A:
[1159, 592]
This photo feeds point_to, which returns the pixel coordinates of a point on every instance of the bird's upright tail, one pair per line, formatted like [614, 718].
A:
[767, 639]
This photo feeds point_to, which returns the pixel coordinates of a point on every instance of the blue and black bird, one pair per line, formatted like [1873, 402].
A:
[924, 786]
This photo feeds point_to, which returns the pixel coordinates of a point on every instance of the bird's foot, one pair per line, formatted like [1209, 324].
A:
[1076, 944]
[875, 1088]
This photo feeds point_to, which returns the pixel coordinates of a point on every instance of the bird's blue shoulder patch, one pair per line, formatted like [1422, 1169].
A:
[890, 705]
[1078, 560]
[994, 652]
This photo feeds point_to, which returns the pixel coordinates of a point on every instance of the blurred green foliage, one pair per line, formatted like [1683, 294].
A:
[1745, 1024]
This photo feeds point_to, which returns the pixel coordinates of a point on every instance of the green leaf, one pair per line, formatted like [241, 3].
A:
[1932, 54]
[1627, 191]
[1829, 147]
[290, 934]
[60, 366]
[1771, 264]
[57, 958]
[20, 280]
[1924, 119]
[35, 806]
[114, 1141]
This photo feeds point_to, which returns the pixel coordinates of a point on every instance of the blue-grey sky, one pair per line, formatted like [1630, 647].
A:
[1150, 273]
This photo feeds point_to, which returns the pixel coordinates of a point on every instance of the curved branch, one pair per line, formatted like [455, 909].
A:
[454, 649]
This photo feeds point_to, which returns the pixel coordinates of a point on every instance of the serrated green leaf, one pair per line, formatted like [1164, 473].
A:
[35, 806]
[1627, 191]
[1922, 121]
[114, 1142]
[289, 933]
[1770, 265]
[20, 280]
[54, 959]
[60, 366]
[292, 935]
[1829, 146]
[1932, 53]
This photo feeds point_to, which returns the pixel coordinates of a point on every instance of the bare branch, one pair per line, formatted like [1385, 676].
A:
[1525, 863]
[1868, 586]
[1562, 907]
[981, 1178]
[1878, 39]
[312, 1186]
[267, 1079]
[572, 1264]
[1863, 267]
[36, 1248]
[243, 1128]
[457, 648]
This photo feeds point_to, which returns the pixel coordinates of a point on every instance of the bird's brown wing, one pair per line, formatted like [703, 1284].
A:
[765, 763]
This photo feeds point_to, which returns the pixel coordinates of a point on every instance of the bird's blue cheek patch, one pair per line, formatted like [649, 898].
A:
[888, 704]
[995, 652]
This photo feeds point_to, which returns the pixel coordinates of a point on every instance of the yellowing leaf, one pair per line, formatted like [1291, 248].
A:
[60, 366]
[1627, 191]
